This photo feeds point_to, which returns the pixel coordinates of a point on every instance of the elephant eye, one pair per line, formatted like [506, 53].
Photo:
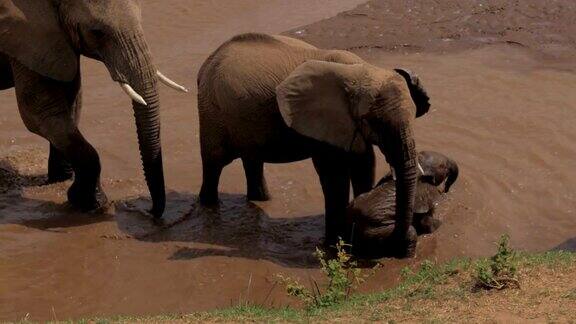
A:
[97, 33]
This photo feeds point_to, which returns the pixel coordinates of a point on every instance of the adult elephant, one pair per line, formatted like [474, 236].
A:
[277, 99]
[40, 46]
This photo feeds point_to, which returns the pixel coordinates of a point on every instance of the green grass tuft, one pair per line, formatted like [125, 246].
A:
[341, 274]
[500, 271]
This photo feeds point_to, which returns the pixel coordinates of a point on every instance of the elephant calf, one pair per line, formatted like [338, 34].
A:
[370, 218]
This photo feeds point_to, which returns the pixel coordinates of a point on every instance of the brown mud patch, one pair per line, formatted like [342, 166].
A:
[502, 111]
[431, 26]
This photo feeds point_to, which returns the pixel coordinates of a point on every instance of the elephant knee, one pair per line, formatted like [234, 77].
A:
[61, 136]
[33, 127]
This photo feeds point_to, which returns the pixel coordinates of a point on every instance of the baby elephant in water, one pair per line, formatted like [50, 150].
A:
[370, 218]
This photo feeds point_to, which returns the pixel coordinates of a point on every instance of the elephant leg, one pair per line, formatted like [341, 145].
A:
[6, 77]
[215, 150]
[48, 108]
[213, 162]
[335, 182]
[210, 178]
[59, 169]
[256, 183]
[362, 171]
[86, 192]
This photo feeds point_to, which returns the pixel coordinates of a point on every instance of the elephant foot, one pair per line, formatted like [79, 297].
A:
[259, 194]
[87, 200]
[405, 246]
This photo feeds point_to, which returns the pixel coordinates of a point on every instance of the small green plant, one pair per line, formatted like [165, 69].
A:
[499, 271]
[341, 274]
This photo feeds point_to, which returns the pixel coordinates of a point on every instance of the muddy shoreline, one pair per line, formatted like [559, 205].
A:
[504, 111]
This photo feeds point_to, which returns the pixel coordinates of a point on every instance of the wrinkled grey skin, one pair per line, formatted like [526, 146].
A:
[370, 218]
[277, 99]
[40, 46]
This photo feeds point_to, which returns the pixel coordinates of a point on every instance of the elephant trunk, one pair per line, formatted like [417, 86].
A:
[406, 175]
[452, 175]
[148, 128]
[131, 64]
[399, 149]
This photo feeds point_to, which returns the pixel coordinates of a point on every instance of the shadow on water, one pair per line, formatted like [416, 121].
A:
[236, 228]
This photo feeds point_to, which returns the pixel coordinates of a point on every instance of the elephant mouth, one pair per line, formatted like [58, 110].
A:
[129, 57]
[135, 96]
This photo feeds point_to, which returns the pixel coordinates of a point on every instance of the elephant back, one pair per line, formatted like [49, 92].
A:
[374, 208]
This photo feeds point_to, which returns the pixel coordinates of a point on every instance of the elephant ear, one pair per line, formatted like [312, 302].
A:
[417, 91]
[314, 101]
[30, 33]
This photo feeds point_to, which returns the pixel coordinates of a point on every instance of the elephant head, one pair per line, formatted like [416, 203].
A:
[352, 106]
[49, 35]
[438, 168]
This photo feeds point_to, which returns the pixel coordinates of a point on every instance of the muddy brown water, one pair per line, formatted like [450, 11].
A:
[500, 111]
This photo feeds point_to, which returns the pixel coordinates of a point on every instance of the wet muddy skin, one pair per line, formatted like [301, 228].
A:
[503, 112]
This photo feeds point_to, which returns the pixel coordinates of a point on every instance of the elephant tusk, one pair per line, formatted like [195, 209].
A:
[420, 168]
[164, 79]
[133, 94]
